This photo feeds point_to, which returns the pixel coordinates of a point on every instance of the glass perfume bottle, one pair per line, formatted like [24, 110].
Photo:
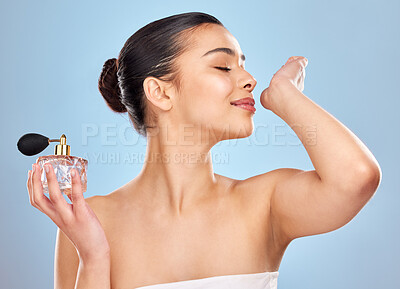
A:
[62, 162]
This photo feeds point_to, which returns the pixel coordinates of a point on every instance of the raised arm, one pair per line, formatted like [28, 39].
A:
[346, 173]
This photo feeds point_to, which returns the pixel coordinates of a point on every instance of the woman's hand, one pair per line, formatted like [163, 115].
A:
[292, 73]
[77, 220]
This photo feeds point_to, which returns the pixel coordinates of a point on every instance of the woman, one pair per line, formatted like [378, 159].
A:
[183, 83]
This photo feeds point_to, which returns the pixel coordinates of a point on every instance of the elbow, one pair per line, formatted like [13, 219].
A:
[365, 180]
[374, 179]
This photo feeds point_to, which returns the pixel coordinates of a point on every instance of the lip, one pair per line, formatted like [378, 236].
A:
[245, 103]
[246, 100]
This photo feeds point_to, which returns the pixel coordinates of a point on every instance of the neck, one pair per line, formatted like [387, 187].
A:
[177, 170]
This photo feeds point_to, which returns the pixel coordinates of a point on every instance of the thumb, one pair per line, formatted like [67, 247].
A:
[264, 98]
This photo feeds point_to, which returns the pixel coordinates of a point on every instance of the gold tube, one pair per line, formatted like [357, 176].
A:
[62, 148]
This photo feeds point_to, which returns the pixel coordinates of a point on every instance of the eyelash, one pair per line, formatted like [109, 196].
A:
[223, 68]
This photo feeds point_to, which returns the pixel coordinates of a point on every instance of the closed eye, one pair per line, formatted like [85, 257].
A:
[223, 68]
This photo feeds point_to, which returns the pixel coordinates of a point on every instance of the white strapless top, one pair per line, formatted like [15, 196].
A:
[264, 280]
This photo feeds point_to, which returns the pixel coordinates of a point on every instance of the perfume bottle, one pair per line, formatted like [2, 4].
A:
[62, 162]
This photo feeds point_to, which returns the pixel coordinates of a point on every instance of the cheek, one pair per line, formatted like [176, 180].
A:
[213, 91]
[218, 87]
[214, 95]
[207, 98]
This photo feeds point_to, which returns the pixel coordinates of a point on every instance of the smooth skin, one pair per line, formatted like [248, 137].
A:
[178, 220]
[79, 223]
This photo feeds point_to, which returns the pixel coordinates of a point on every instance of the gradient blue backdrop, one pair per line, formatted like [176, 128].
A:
[52, 53]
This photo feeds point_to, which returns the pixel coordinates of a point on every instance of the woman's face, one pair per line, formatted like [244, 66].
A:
[206, 90]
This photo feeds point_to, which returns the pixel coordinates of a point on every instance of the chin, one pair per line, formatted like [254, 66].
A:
[225, 127]
[239, 129]
[244, 131]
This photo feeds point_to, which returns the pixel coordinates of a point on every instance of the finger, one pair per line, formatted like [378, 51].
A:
[28, 187]
[296, 66]
[302, 60]
[56, 197]
[302, 81]
[289, 59]
[30, 191]
[77, 195]
[38, 199]
[296, 57]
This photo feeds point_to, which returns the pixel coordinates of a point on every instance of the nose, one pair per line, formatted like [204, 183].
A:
[248, 82]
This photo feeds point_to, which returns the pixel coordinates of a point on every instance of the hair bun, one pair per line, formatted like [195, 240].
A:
[108, 86]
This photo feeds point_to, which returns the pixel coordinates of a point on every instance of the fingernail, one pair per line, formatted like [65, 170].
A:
[72, 173]
[46, 168]
[33, 167]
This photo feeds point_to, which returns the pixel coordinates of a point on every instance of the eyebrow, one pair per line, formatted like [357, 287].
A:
[225, 50]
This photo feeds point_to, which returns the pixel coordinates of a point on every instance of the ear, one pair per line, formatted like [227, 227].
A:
[156, 92]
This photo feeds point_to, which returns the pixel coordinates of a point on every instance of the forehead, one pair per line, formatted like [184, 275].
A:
[208, 37]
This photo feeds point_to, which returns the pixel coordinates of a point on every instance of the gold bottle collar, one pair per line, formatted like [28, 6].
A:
[62, 148]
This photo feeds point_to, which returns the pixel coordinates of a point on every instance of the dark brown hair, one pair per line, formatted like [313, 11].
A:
[150, 51]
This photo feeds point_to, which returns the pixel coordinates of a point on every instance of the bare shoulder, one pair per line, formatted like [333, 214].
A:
[103, 206]
[272, 176]
[256, 193]
[98, 202]
[225, 181]
[262, 185]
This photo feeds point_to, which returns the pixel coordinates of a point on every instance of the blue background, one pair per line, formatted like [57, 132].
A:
[52, 53]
